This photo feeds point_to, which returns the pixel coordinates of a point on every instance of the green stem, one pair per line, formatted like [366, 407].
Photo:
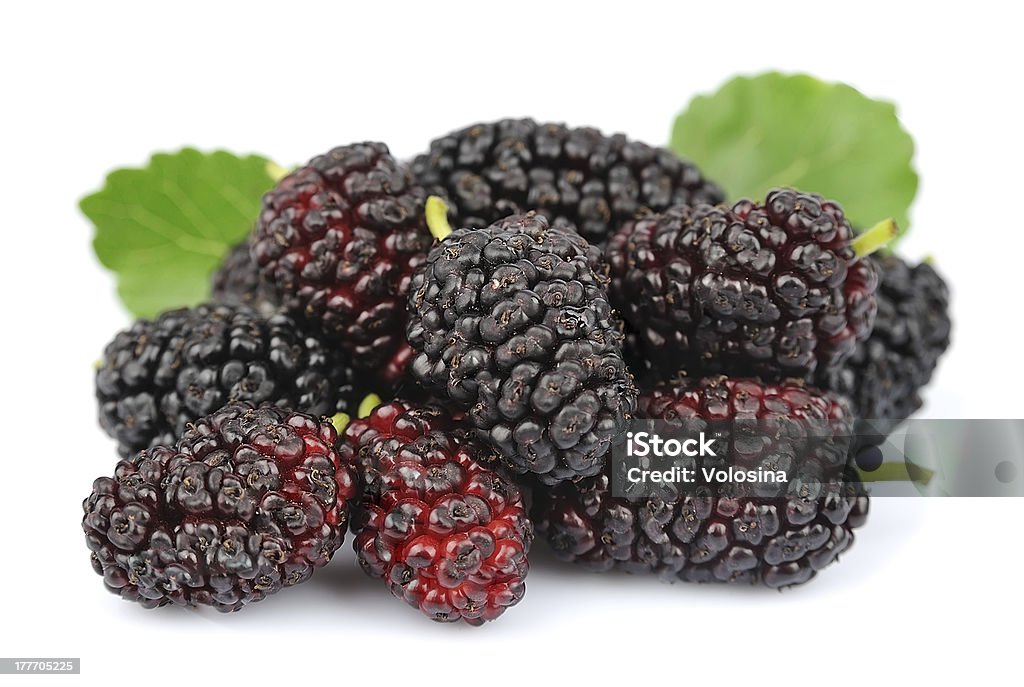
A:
[367, 405]
[897, 472]
[437, 218]
[340, 421]
[276, 172]
[875, 238]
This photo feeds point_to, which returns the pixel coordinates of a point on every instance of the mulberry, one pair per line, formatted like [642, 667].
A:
[249, 501]
[773, 290]
[728, 535]
[339, 239]
[447, 534]
[594, 182]
[159, 375]
[512, 324]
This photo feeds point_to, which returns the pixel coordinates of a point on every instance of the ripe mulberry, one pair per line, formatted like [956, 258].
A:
[447, 534]
[773, 290]
[339, 238]
[722, 536]
[159, 375]
[250, 500]
[886, 373]
[512, 324]
[489, 171]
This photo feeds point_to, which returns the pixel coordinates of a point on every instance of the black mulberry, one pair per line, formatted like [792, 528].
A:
[339, 239]
[721, 536]
[595, 182]
[250, 500]
[159, 375]
[773, 290]
[512, 323]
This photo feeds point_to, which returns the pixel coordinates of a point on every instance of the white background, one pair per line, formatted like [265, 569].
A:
[930, 591]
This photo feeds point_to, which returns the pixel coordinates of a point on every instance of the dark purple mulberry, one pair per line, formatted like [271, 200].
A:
[512, 324]
[339, 239]
[594, 182]
[249, 501]
[722, 536]
[773, 290]
[159, 375]
[238, 282]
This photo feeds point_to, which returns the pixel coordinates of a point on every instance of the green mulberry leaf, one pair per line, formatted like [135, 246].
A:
[163, 229]
[760, 132]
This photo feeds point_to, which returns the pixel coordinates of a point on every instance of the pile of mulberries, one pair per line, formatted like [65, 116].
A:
[448, 356]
